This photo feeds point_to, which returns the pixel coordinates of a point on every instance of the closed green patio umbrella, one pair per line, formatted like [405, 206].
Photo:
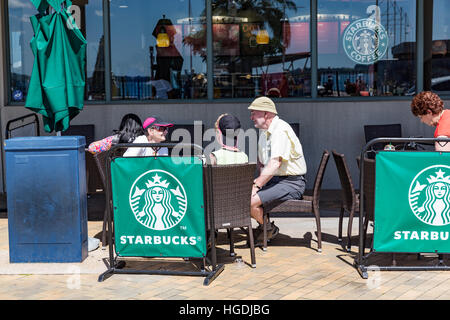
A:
[56, 89]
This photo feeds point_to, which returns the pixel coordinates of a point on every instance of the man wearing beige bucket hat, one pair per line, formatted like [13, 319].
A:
[281, 162]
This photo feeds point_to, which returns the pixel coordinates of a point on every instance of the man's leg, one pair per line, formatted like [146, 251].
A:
[256, 209]
[257, 213]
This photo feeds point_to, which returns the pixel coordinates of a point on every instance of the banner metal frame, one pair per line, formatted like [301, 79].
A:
[209, 267]
[361, 259]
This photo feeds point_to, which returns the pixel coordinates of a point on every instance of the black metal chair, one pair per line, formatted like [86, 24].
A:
[88, 132]
[23, 126]
[296, 127]
[174, 135]
[381, 131]
[85, 130]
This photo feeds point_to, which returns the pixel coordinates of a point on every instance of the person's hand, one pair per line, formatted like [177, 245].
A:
[255, 189]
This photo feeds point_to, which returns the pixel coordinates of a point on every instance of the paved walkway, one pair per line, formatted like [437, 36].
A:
[290, 269]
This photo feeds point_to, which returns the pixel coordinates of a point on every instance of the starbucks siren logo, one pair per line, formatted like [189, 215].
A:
[158, 200]
[429, 195]
[365, 41]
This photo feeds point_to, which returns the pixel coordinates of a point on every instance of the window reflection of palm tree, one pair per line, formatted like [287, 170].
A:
[250, 16]
[436, 208]
[255, 12]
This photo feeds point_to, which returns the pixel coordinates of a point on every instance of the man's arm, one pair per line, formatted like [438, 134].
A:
[442, 146]
[266, 174]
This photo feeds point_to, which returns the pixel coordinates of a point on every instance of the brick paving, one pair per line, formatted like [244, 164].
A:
[291, 269]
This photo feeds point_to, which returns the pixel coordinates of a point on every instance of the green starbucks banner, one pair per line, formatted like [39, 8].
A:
[412, 202]
[158, 207]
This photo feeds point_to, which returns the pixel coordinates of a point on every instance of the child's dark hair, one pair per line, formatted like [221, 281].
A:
[130, 128]
[229, 127]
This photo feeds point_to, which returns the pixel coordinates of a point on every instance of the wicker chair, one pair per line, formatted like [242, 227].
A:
[231, 192]
[369, 193]
[307, 204]
[350, 199]
[100, 161]
[93, 179]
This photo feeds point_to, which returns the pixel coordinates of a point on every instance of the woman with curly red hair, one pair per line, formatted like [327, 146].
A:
[430, 109]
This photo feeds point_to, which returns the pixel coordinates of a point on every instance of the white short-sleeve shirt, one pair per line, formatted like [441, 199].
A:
[279, 140]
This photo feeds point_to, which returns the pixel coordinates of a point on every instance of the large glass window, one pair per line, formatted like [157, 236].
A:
[439, 81]
[88, 16]
[366, 47]
[157, 49]
[261, 48]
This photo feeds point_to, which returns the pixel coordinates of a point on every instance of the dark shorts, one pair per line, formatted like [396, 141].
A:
[281, 188]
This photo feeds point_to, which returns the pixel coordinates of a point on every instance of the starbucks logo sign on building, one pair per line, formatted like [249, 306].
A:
[365, 41]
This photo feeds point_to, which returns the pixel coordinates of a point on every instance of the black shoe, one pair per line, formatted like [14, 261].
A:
[275, 231]
[258, 233]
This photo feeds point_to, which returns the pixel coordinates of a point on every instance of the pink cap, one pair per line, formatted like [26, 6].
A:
[155, 121]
